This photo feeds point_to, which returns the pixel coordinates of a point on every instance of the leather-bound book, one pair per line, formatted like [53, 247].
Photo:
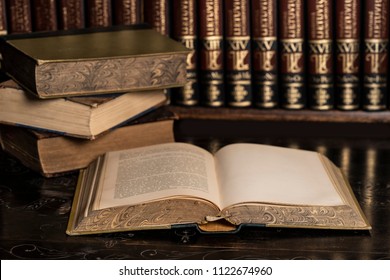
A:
[376, 48]
[71, 14]
[99, 13]
[211, 52]
[156, 14]
[127, 12]
[19, 16]
[3, 18]
[320, 57]
[44, 13]
[292, 65]
[264, 53]
[184, 19]
[238, 88]
[348, 28]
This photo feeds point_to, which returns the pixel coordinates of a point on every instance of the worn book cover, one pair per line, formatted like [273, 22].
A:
[45, 17]
[94, 61]
[211, 53]
[348, 58]
[71, 14]
[264, 53]
[376, 61]
[320, 58]
[185, 30]
[19, 16]
[54, 154]
[238, 75]
[291, 54]
[178, 184]
[127, 12]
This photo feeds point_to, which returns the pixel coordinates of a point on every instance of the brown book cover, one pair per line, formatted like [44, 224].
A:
[44, 13]
[99, 13]
[127, 12]
[348, 28]
[156, 14]
[264, 53]
[94, 61]
[211, 52]
[71, 14]
[3, 18]
[376, 47]
[184, 19]
[54, 154]
[320, 57]
[238, 86]
[291, 54]
[19, 16]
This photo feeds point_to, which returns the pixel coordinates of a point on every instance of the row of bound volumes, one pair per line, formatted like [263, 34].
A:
[291, 54]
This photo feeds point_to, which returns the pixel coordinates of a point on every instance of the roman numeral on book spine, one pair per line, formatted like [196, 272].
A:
[291, 52]
[238, 87]
[348, 28]
[320, 59]
[376, 42]
[184, 30]
[211, 52]
[264, 53]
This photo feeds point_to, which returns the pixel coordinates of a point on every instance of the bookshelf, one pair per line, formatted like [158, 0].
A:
[253, 114]
[134, 11]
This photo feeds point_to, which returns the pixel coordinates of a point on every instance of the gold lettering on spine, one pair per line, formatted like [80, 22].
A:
[212, 18]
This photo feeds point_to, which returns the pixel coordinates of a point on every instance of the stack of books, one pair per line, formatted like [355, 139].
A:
[73, 96]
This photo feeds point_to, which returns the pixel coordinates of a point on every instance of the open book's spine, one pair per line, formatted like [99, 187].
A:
[19, 16]
[348, 28]
[211, 52]
[291, 51]
[320, 59]
[238, 88]
[44, 14]
[184, 19]
[126, 12]
[99, 13]
[264, 53]
[71, 14]
[156, 13]
[376, 46]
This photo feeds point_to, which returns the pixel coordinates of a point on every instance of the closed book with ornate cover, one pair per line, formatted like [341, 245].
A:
[178, 184]
[94, 61]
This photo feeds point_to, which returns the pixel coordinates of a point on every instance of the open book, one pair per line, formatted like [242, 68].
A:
[165, 185]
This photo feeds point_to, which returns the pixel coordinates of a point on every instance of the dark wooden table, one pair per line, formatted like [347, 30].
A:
[34, 210]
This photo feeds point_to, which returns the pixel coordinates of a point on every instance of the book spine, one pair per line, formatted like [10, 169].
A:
[156, 13]
[3, 18]
[264, 53]
[99, 13]
[127, 12]
[320, 59]
[44, 14]
[238, 88]
[19, 16]
[185, 30]
[291, 61]
[376, 40]
[71, 14]
[211, 52]
[348, 28]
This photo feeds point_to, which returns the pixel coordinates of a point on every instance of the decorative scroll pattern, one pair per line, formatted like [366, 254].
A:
[161, 214]
[110, 75]
[342, 217]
